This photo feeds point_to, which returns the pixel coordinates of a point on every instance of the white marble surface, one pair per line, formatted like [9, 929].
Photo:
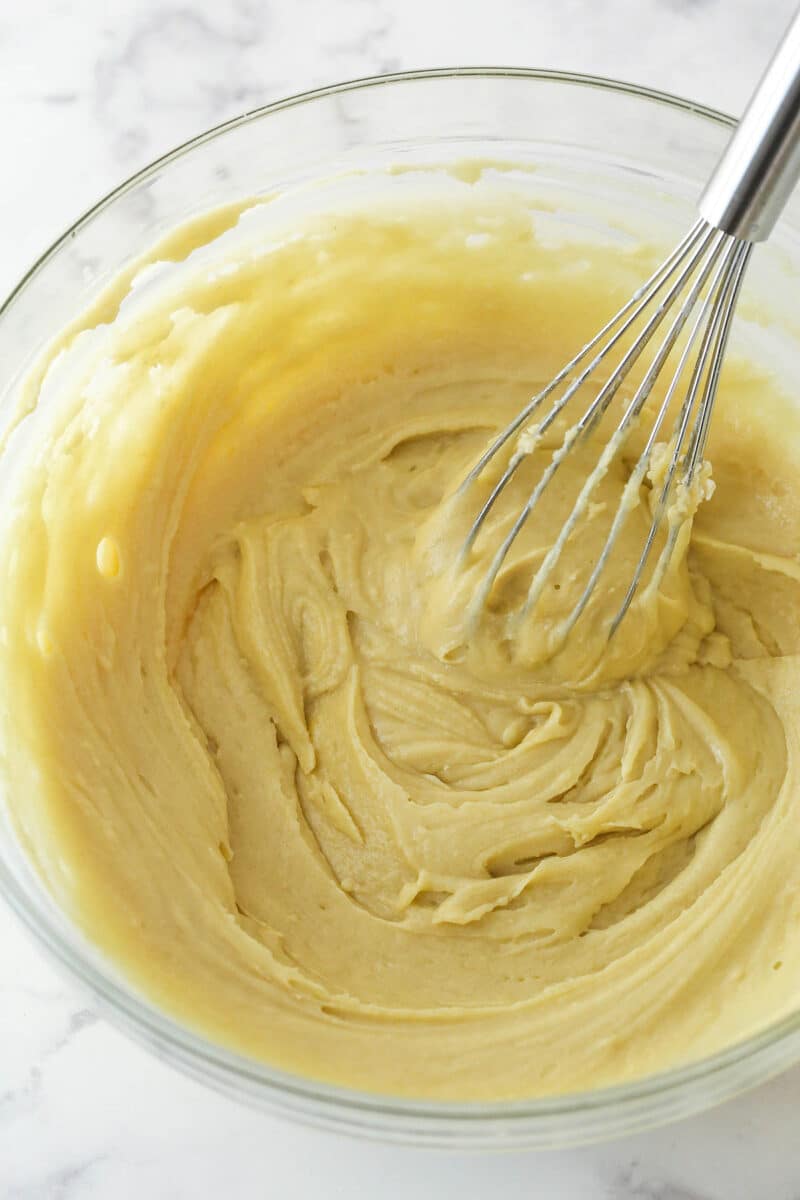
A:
[90, 90]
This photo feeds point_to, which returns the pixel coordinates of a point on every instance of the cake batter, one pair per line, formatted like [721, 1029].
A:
[260, 754]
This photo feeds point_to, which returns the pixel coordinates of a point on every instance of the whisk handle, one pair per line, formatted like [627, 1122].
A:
[761, 164]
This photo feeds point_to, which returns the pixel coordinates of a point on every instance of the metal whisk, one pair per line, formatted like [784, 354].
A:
[696, 287]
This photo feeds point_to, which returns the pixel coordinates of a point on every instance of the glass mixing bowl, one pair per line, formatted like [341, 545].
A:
[594, 140]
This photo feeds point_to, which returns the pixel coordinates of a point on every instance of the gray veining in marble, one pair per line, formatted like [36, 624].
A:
[91, 90]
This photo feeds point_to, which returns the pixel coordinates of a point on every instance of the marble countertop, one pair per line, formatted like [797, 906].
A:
[89, 92]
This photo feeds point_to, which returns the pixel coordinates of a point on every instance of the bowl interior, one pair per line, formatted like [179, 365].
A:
[599, 155]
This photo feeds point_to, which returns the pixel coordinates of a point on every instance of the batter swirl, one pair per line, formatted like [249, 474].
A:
[259, 752]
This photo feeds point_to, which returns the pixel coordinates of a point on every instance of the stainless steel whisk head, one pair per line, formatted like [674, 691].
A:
[706, 258]
[695, 289]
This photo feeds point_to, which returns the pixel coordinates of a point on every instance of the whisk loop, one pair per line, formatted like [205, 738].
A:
[671, 295]
[697, 286]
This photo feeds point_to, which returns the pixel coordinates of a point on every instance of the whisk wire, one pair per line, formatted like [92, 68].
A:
[721, 303]
[616, 443]
[639, 472]
[702, 242]
[650, 285]
[632, 310]
[728, 306]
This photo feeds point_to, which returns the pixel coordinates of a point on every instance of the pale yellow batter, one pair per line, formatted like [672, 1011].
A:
[256, 748]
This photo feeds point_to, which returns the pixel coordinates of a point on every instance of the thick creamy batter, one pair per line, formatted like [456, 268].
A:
[258, 750]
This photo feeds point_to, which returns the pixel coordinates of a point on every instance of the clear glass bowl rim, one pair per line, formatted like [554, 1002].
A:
[563, 1119]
